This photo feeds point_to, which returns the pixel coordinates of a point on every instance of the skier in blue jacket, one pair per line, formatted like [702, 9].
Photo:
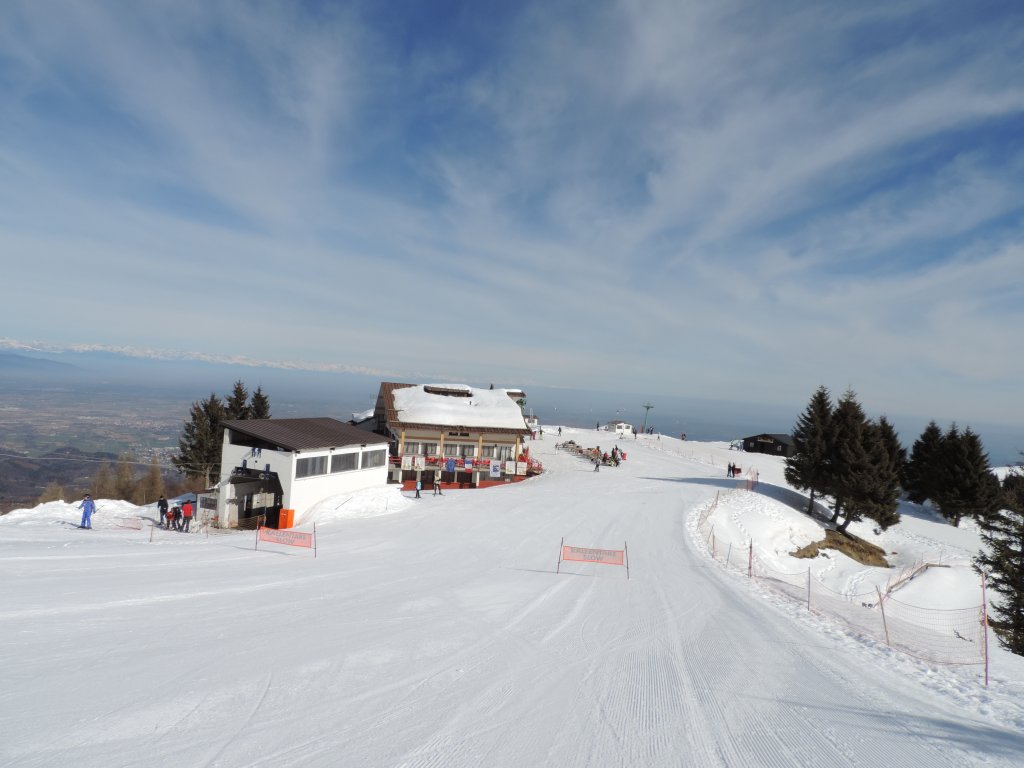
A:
[88, 506]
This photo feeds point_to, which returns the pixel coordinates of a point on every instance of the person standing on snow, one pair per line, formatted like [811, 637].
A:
[162, 507]
[88, 506]
[186, 516]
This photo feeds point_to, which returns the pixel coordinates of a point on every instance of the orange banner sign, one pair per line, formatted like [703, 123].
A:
[291, 538]
[582, 554]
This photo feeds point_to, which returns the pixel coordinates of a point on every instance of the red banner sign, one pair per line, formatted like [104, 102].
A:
[291, 538]
[606, 556]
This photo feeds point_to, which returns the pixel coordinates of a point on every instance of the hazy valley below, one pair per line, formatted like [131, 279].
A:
[60, 415]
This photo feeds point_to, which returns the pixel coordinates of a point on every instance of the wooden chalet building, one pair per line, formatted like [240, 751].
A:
[452, 434]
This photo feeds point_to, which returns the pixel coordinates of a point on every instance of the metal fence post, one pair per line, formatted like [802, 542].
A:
[881, 607]
[984, 623]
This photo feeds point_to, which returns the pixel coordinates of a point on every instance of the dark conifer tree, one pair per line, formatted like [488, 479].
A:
[1013, 491]
[880, 495]
[967, 486]
[259, 405]
[199, 447]
[807, 468]
[897, 453]
[848, 458]
[923, 471]
[236, 406]
[1002, 560]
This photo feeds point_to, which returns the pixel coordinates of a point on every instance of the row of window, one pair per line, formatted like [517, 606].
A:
[339, 462]
[456, 450]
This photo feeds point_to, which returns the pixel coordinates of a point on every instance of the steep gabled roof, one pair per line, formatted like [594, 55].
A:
[305, 434]
[450, 407]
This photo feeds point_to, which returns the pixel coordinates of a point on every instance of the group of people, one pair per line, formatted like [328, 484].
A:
[732, 470]
[178, 518]
[613, 458]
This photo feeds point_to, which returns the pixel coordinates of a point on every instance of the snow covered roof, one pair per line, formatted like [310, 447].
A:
[452, 405]
[361, 416]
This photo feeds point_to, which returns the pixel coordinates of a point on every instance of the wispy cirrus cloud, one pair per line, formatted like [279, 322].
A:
[735, 195]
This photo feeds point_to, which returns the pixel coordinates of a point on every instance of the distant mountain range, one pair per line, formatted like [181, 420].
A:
[140, 353]
[11, 363]
[336, 390]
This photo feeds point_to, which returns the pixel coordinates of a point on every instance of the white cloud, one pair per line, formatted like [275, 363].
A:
[727, 183]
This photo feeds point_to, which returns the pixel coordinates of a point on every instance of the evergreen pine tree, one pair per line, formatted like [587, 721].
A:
[259, 405]
[1013, 491]
[897, 453]
[806, 469]
[236, 407]
[967, 485]
[881, 493]
[848, 462]
[923, 472]
[199, 446]
[1002, 560]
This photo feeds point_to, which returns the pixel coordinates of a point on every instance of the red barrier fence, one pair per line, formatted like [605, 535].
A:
[289, 538]
[589, 555]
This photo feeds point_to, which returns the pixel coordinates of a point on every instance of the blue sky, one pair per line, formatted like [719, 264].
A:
[738, 200]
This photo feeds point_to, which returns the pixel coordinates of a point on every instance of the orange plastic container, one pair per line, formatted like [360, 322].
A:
[286, 519]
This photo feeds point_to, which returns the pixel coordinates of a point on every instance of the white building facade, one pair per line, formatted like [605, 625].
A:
[272, 464]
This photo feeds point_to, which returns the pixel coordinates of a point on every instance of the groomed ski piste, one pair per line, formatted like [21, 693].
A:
[436, 632]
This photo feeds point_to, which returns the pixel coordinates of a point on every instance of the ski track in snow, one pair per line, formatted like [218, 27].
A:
[438, 634]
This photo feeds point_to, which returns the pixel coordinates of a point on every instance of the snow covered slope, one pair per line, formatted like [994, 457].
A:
[435, 632]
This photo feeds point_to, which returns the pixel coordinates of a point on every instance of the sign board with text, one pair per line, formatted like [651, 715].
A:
[288, 538]
[567, 552]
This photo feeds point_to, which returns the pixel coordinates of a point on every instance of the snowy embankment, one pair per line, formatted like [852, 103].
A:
[436, 632]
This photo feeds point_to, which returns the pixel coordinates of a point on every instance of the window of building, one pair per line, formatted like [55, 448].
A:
[451, 449]
[411, 449]
[374, 459]
[487, 451]
[429, 449]
[467, 451]
[344, 462]
[314, 465]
